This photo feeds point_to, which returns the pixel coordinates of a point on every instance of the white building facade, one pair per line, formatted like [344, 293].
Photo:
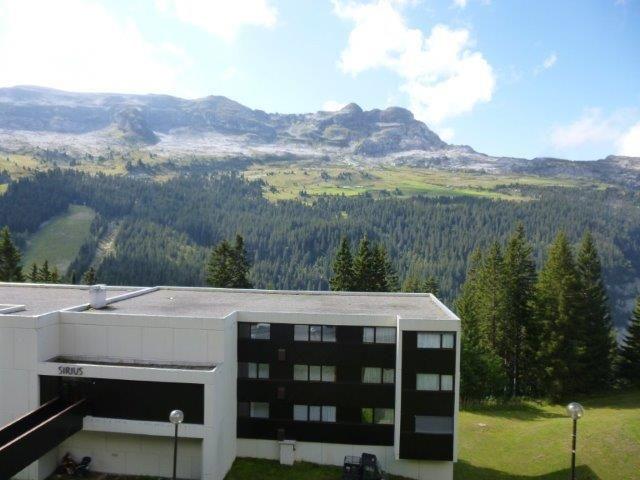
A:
[295, 376]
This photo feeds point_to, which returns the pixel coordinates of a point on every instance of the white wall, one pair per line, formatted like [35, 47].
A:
[333, 454]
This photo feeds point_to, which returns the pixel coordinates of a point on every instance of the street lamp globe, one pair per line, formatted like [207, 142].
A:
[176, 417]
[575, 410]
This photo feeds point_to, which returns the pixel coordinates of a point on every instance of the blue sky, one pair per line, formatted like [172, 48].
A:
[508, 77]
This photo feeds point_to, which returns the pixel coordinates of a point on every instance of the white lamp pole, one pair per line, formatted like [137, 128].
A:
[176, 417]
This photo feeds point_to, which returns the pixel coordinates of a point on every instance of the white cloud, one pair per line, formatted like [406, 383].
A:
[332, 106]
[441, 74]
[79, 45]
[547, 63]
[629, 142]
[222, 18]
[460, 3]
[616, 131]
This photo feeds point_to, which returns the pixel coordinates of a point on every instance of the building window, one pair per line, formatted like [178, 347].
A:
[253, 409]
[314, 373]
[253, 370]
[314, 413]
[433, 382]
[436, 340]
[314, 333]
[434, 425]
[378, 416]
[379, 335]
[260, 331]
[377, 375]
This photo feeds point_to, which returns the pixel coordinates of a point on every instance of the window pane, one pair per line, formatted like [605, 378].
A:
[253, 370]
[388, 375]
[261, 331]
[328, 414]
[385, 335]
[300, 372]
[314, 373]
[300, 413]
[367, 415]
[446, 383]
[314, 413]
[243, 409]
[371, 375]
[328, 333]
[428, 340]
[259, 410]
[315, 333]
[428, 381]
[426, 424]
[328, 373]
[263, 370]
[383, 416]
[301, 333]
[368, 334]
[448, 340]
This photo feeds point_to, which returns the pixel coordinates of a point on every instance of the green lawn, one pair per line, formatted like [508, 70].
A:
[60, 239]
[526, 441]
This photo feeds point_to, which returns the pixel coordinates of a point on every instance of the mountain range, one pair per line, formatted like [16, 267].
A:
[215, 126]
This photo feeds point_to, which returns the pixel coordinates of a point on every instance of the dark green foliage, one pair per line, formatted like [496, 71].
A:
[228, 266]
[90, 277]
[629, 359]
[597, 354]
[557, 313]
[519, 331]
[343, 276]
[364, 268]
[34, 274]
[10, 267]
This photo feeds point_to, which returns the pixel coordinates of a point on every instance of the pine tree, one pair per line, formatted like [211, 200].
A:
[481, 370]
[55, 276]
[412, 284]
[45, 274]
[598, 349]
[240, 265]
[34, 275]
[379, 268]
[557, 310]
[343, 277]
[10, 268]
[90, 277]
[492, 300]
[431, 285]
[520, 332]
[629, 358]
[219, 268]
[364, 267]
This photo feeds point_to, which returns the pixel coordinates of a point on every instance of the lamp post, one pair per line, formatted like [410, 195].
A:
[176, 417]
[575, 411]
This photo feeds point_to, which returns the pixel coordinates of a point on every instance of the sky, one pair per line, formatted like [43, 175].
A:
[507, 77]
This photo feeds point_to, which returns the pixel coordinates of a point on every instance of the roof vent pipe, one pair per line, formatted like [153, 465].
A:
[98, 296]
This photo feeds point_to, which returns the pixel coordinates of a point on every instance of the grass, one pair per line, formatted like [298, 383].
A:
[59, 240]
[521, 441]
[285, 181]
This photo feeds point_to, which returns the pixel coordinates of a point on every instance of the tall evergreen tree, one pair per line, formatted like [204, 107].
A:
[557, 309]
[364, 267]
[219, 267]
[34, 275]
[240, 265]
[343, 276]
[380, 269]
[629, 358]
[520, 332]
[45, 273]
[10, 267]
[431, 285]
[90, 277]
[412, 284]
[492, 300]
[598, 350]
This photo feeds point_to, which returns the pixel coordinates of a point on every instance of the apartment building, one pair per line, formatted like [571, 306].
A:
[294, 376]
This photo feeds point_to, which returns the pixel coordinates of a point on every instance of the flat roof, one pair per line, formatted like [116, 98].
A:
[39, 298]
[218, 303]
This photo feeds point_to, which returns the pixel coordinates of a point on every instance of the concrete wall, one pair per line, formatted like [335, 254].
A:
[333, 454]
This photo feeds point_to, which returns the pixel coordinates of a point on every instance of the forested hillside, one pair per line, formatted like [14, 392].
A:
[163, 232]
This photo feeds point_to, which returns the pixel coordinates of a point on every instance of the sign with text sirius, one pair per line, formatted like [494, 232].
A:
[71, 371]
